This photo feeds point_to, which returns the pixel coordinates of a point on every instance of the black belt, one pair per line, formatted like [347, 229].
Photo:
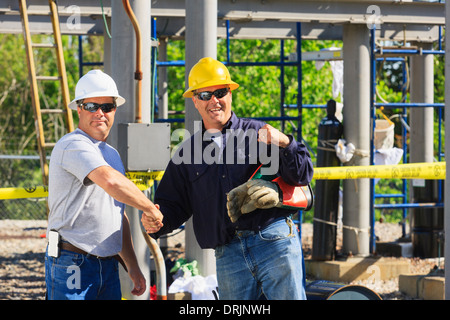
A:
[70, 247]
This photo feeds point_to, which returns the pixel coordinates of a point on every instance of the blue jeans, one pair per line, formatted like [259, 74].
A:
[74, 276]
[265, 264]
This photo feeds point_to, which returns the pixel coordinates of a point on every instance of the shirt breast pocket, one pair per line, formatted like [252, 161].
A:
[205, 186]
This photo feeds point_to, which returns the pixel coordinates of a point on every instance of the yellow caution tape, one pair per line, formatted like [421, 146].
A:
[21, 193]
[434, 170]
[145, 176]
[144, 180]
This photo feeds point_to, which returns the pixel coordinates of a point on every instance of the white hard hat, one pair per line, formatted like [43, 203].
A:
[96, 83]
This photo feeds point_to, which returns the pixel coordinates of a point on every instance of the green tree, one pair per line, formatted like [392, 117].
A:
[259, 94]
[17, 124]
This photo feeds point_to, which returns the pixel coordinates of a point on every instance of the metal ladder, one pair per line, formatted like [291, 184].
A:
[43, 145]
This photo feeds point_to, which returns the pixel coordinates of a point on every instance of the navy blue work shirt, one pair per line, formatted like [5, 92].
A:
[201, 173]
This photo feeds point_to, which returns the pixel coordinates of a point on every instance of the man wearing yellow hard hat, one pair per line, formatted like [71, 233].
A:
[258, 252]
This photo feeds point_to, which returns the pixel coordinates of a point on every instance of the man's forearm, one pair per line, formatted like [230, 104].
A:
[122, 189]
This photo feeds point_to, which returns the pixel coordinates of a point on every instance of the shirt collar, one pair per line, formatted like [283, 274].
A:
[233, 122]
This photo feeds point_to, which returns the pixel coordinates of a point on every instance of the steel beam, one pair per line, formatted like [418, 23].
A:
[347, 11]
[250, 19]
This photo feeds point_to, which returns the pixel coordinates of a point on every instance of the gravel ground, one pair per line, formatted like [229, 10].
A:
[22, 260]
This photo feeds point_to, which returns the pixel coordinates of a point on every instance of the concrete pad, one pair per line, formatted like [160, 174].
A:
[422, 286]
[410, 284]
[355, 268]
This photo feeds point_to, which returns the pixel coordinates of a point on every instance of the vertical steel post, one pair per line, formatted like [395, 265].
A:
[201, 41]
[299, 81]
[357, 126]
[122, 71]
[447, 155]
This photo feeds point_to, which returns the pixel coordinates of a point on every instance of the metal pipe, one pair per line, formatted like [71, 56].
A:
[409, 205]
[372, 241]
[257, 118]
[299, 80]
[182, 63]
[307, 106]
[173, 63]
[228, 40]
[387, 195]
[138, 72]
[410, 105]
[161, 286]
[408, 51]
[282, 87]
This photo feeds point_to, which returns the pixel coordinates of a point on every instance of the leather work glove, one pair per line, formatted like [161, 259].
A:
[235, 200]
[252, 195]
[261, 194]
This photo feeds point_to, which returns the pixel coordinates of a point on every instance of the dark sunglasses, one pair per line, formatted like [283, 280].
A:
[206, 95]
[93, 107]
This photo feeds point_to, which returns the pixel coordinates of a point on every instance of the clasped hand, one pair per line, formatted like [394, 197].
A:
[152, 221]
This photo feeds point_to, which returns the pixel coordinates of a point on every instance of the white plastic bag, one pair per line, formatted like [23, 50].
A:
[201, 288]
[344, 150]
[387, 156]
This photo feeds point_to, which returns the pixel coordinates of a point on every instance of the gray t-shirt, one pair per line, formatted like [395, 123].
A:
[83, 213]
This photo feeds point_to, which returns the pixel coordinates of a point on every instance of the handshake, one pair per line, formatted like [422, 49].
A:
[152, 220]
[252, 195]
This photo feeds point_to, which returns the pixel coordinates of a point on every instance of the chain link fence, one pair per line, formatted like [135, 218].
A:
[21, 171]
[23, 209]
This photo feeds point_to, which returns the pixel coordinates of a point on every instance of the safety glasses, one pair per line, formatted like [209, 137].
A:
[93, 107]
[207, 95]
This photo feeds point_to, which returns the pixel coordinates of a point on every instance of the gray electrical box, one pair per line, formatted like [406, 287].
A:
[144, 146]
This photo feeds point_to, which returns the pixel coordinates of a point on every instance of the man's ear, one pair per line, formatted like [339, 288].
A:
[193, 97]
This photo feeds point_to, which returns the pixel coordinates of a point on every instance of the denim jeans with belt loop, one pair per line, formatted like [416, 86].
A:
[267, 264]
[74, 276]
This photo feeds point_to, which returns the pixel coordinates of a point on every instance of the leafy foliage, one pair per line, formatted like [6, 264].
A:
[17, 125]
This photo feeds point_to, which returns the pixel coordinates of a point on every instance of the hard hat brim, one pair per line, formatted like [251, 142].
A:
[73, 104]
[189, 92]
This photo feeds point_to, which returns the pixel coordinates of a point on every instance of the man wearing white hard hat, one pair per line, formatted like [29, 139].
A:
[88, 229]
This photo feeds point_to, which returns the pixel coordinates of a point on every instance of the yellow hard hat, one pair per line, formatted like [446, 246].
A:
[208, 72]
